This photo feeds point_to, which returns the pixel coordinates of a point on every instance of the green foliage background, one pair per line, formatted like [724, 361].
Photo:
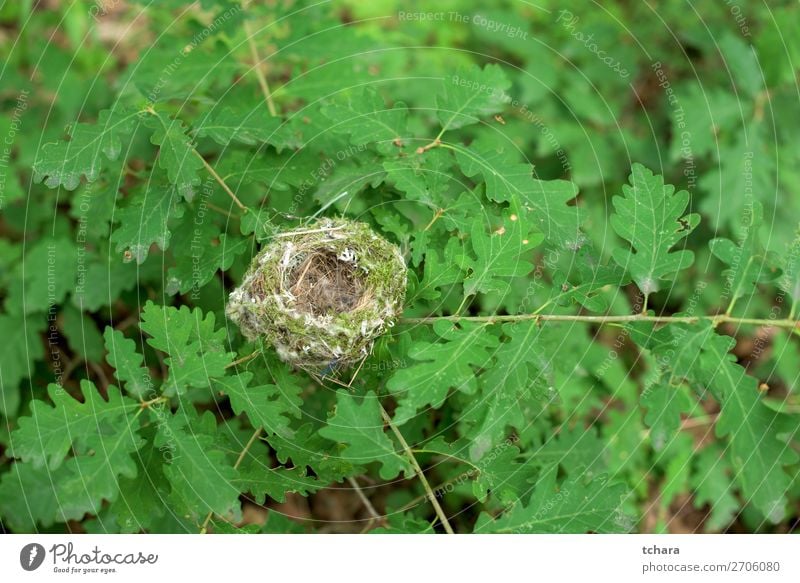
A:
[623, 177]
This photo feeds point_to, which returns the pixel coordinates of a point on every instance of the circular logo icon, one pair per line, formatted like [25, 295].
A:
[31, 556]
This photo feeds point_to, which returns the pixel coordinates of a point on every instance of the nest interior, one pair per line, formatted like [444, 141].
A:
[323, 284]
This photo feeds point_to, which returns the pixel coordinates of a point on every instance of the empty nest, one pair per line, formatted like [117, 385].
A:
[321, 294]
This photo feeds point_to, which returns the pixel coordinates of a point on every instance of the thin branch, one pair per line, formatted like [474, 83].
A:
[220, 181]
[247, 447]
[434, 144]
[436, 216]
[374, 516]
[694, 422]
[146, 404]
[98, 370]
[307, 232]
[262, 79]
[221, 210]
[70, 368]
[610, 319]
[464, 303]
[418, 470]
[244, 359]
[127, 322]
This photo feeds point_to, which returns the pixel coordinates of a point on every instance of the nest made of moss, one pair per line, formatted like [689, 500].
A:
[321, 294]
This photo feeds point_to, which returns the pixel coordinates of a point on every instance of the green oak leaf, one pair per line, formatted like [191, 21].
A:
[45, 277]
[507, 179]
[129, 367]
[441, 272]
[574, 506]
[144, 221]
[427, 178]
[177, 154]
[82, 333]
[199, 470]
[514, 380]
[23, 348]
[359, 430]
[498, 472]
[470, 94]
[195, 269]
[749, 264]
[757, 451]
[27, 499]
[49, 433]
[64, 163]
[650, 216]
[266, 406]
[441, 366]
[196, 350]
[711, 483]
[249, 126]
[500, 255]
[368, 120]
[101, 435]
[264, 482]
[665, 403]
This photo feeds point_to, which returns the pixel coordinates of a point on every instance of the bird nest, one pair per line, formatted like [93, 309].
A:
[321, 294]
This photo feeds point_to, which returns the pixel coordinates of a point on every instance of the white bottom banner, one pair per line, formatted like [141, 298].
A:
[389, 558]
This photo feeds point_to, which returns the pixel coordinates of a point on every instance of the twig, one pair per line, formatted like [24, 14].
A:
[262, 79]
[69, 368]
[302, 276]
[220, 210]
[436, 216]
[694, 422]
[715, 320]
[250, 356]
[321, 381]
[434, 144]
[374, 516]
[127, 322]
[220, 181]
[308, 232]
[418, 470]
[247, 447]
[146, 404]
[464, 303]
[358, 370]
[99, 372]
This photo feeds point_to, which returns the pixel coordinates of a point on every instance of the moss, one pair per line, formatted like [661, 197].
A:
[268, 303]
